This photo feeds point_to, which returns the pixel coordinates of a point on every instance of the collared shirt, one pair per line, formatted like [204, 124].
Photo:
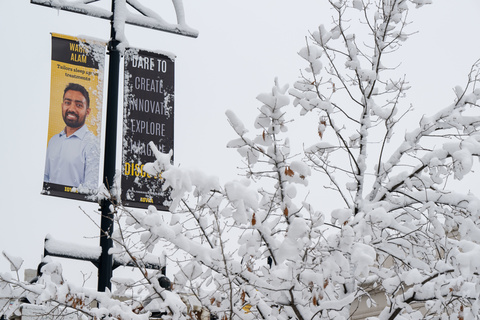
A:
[74, 160]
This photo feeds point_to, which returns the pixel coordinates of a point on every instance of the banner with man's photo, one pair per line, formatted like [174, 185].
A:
[76, 96]
[148, 119]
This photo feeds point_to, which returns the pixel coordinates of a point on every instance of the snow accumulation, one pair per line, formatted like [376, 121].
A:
[73, 249]
[391, 221]
[148, 18]
[15, 262]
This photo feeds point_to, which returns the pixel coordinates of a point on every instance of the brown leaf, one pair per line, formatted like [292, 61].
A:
[263, 135]
[138, 309]
[243, 297]
[254, 220]
[321, 130]
[289, 172]
[314, 301]
[285, 212]
[325, 283]
[196, 314]
[212, 301]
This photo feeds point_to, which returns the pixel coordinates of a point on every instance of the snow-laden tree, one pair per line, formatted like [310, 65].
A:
[395, 228]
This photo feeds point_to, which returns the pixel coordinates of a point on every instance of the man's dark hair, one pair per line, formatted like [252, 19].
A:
[79, 88]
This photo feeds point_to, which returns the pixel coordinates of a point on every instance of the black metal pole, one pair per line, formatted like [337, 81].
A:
[106, 224]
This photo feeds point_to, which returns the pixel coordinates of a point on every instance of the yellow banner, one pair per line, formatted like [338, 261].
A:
[76, 98]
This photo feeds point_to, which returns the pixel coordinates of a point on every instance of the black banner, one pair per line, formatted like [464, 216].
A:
[148, 117]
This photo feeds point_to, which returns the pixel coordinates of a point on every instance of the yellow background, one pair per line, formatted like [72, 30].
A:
[58, 83]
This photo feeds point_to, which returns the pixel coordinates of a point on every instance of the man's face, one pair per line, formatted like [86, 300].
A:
[74, 109]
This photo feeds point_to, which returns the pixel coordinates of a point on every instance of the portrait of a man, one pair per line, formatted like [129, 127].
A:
[73, 154]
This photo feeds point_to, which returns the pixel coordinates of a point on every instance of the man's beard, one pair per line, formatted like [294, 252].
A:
[75, 122]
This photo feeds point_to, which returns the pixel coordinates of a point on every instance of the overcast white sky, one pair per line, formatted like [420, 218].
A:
[242, 47]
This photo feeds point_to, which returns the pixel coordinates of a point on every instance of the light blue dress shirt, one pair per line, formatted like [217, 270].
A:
[73, 161]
